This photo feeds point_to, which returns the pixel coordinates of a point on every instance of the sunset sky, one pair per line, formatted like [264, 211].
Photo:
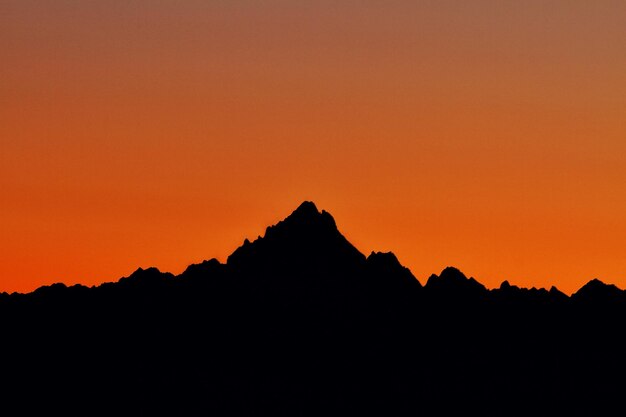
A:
[487, 135]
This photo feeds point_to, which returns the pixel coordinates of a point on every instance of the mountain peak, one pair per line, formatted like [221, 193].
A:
[306, 216]
[386, 267]
[306, 208]
[452, 279]
[307, 234]
[598, 291]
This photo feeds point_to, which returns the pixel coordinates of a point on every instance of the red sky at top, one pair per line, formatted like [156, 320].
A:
[488, 135]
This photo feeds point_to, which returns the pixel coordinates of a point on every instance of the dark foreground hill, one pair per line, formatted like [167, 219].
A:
[300, 323]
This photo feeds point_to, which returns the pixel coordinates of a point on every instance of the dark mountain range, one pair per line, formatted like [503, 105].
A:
[300, 323]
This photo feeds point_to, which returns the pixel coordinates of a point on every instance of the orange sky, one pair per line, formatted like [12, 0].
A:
[488, 135]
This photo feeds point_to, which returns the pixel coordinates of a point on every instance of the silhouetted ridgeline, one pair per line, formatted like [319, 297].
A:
[300, 323]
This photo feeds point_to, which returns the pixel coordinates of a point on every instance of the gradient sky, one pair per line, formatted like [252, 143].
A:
[488, 135]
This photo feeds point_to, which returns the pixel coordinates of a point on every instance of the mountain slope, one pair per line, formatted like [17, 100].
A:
[299, 322]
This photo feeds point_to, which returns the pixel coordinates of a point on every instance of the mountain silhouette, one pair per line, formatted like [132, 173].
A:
[596, 291]
[305, 248]
[300, 323]
[451, 280]
[307, 238]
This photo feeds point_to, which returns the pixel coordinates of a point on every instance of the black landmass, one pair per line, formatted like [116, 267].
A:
[300, 323]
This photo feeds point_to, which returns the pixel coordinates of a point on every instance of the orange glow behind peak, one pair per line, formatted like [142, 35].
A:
[485, 135]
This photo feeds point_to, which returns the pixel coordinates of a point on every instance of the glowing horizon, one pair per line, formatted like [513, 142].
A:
[484, 135]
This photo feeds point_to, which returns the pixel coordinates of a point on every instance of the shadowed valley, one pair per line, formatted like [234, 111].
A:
[300, 323]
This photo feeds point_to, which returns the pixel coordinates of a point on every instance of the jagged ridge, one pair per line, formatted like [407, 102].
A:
[299, 322]
[310, 237]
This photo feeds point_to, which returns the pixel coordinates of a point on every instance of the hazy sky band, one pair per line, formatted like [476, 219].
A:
[485, 135]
